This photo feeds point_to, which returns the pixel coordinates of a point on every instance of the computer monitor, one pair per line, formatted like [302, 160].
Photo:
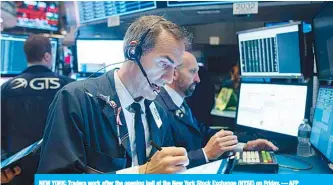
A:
[43, 15]
[94, 54]
[13, 59]
[322, 126]
[323, 31]
[275, 108]
[271, 51]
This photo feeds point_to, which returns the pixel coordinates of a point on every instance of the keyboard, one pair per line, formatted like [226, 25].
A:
[256, 161]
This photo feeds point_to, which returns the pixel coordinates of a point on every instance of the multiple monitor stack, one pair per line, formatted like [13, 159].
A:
[322, 126]
[278, 109]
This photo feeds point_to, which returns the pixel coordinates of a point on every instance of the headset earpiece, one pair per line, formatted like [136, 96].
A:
[133, 51]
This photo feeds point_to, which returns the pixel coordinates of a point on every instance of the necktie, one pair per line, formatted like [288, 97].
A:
[187, 110]
[139, 134]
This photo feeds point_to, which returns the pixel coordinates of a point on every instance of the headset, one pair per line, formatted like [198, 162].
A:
[134, 51]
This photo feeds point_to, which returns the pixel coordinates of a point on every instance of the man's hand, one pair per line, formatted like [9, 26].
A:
[8, 174]
[168, 160]
[260, 144]
[221, 142]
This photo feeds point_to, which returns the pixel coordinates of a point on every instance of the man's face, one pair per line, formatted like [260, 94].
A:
[187, 77]
[160, 63]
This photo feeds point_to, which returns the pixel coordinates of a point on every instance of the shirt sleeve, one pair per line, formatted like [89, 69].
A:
[207, 161]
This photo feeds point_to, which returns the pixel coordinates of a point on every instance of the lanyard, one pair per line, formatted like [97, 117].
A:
[116, 111]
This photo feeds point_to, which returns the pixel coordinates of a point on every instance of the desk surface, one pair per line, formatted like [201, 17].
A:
[227, 113]
[319, 165]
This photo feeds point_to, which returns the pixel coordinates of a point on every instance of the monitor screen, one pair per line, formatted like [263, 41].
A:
[323, 31]
[92, 55]
[13, 59]
[90, 11]
[38, 14]
[270, 52]
[322, 126]
[272, 107]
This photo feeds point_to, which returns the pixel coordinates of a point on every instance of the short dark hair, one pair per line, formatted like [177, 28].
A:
[156, 24]
[35, 48]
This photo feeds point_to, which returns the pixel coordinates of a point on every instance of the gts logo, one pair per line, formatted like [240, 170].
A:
[36, 83]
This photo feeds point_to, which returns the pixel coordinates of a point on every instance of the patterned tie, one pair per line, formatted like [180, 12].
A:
[139, 134]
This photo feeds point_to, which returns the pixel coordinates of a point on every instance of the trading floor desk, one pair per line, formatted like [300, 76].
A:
[319, 166]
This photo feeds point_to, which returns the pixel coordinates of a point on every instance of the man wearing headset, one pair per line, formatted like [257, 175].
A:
[202, 143]
[107, 124]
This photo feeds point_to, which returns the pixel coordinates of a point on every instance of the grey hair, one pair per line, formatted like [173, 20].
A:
[156, 24]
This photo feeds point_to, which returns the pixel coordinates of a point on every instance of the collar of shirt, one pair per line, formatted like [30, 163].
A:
[125, 97]
[36, 68]
[176, 98]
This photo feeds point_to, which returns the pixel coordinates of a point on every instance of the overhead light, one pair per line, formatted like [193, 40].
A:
[1, 20]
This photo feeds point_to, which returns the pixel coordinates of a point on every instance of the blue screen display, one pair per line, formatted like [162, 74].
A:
[13, 59]
[322, 127]
[97, 10]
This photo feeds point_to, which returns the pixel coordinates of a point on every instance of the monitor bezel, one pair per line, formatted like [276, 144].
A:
[301, 50]
[324, 5]
[76, 63]
[313, 146]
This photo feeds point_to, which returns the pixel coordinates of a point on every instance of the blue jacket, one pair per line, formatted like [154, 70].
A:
[81, 133]
[187, 132]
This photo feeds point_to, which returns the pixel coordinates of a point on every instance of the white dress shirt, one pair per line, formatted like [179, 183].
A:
[126, 100]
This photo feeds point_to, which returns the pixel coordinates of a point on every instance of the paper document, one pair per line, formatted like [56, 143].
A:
[210, 168]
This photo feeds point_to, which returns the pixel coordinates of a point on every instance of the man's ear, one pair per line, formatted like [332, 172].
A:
[175, 74]
[47, 56]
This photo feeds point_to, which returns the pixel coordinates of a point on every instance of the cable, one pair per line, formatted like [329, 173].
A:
[297, 159]
[84, 83]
